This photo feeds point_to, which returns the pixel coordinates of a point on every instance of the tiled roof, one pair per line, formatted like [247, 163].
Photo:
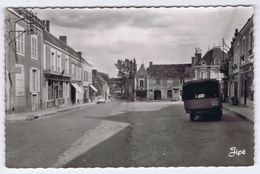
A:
[214, 53]
[170, 71]
[142, 71]
[57, 42]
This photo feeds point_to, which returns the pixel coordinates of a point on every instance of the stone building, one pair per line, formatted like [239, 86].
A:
[208, 67]
[161, 82]
[23, 55]
[241, 69]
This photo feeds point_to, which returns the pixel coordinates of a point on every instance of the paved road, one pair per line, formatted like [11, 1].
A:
[159, 134]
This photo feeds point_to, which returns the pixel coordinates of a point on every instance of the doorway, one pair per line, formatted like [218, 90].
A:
[34, 102]
[157, 95]
[73, 94]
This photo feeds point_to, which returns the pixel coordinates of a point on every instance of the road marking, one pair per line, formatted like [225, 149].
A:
[89, 140]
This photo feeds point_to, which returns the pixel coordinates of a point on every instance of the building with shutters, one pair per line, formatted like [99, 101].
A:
[161, 81]
[23, 55]
[241, 65]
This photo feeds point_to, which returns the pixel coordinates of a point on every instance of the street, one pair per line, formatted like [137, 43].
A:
[128, 134]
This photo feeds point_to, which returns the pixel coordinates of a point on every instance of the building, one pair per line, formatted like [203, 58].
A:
[208, 67]
[161, 82]
[241, 69]
[141, 84]
[87, 81]
[56, 70]
[115, 86]
[100, 82]
[23, 54]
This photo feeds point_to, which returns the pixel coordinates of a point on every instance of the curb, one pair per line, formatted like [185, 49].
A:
[239, 115]
[41, 115]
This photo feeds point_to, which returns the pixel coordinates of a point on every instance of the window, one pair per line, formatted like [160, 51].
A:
[60, 90]
[19, 81]
[53, 60]
[169, 82]
[85, 76]
[34, 80]
[59, 62]
[141, 83]
[73, 71]
[251, 41]
[79, 73]
[19, 35]
[50, 90]
[158, 81]
[44, 56]
[34, 48]
[67, 65]
[202, 75]
[169, 94]
[243, 46]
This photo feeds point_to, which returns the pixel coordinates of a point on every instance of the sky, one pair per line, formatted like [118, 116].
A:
[160, 35]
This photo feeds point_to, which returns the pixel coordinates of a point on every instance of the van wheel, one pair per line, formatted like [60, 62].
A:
[192, 117]
[219, 115]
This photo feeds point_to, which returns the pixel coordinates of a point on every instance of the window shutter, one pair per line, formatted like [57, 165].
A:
[31, 80]
[39, 80]
[64, 89]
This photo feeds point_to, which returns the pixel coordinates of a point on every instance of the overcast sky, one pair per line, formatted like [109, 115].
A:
[161, 35]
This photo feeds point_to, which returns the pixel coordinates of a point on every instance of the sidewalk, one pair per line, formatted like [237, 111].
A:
[243, 111]
[41, 113]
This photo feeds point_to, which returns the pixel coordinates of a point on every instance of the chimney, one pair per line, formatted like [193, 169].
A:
[150, 64]
[79, 53]
[192, 61]
[94, 73]
[47, 25]
[63, 39]
[197, 55]
[236, 32]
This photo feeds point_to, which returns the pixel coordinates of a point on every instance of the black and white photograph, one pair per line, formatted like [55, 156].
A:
[129, 87]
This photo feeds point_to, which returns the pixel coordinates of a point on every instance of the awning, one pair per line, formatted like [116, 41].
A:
[95, 89]
[77, 87]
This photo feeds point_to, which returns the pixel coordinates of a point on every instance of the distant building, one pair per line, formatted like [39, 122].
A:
[241, 69]
[115, 86]
[161, 82]
[208, 67]
[100, 82]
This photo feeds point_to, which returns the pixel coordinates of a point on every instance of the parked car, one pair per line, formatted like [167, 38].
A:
[101, 100]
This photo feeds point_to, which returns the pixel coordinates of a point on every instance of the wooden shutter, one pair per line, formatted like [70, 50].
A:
[31, 79]
[39, 80]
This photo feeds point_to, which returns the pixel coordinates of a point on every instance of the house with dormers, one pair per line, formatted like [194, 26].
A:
[208, 67]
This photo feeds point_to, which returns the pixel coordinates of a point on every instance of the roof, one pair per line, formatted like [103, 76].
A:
[170, 70]
[142, 71]
[199, 81]
[57, 42]
[211, 55]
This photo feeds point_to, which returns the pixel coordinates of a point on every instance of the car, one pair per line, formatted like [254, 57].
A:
[101, 100]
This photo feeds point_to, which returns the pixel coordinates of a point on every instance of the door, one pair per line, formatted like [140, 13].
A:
[245, 92]
[34, 102]
[157, 95]
[56, 95]
[73, 94]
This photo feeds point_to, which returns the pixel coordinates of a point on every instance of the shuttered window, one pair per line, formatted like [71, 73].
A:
[19, 81]
[20, 36]
[34, 48]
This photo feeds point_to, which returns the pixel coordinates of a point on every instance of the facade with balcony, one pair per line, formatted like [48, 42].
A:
[241, 70]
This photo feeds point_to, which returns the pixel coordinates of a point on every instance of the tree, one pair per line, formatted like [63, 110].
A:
[126, 70]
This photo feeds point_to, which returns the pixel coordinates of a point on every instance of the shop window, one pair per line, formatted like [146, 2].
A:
[60, 90]
[50, 90]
